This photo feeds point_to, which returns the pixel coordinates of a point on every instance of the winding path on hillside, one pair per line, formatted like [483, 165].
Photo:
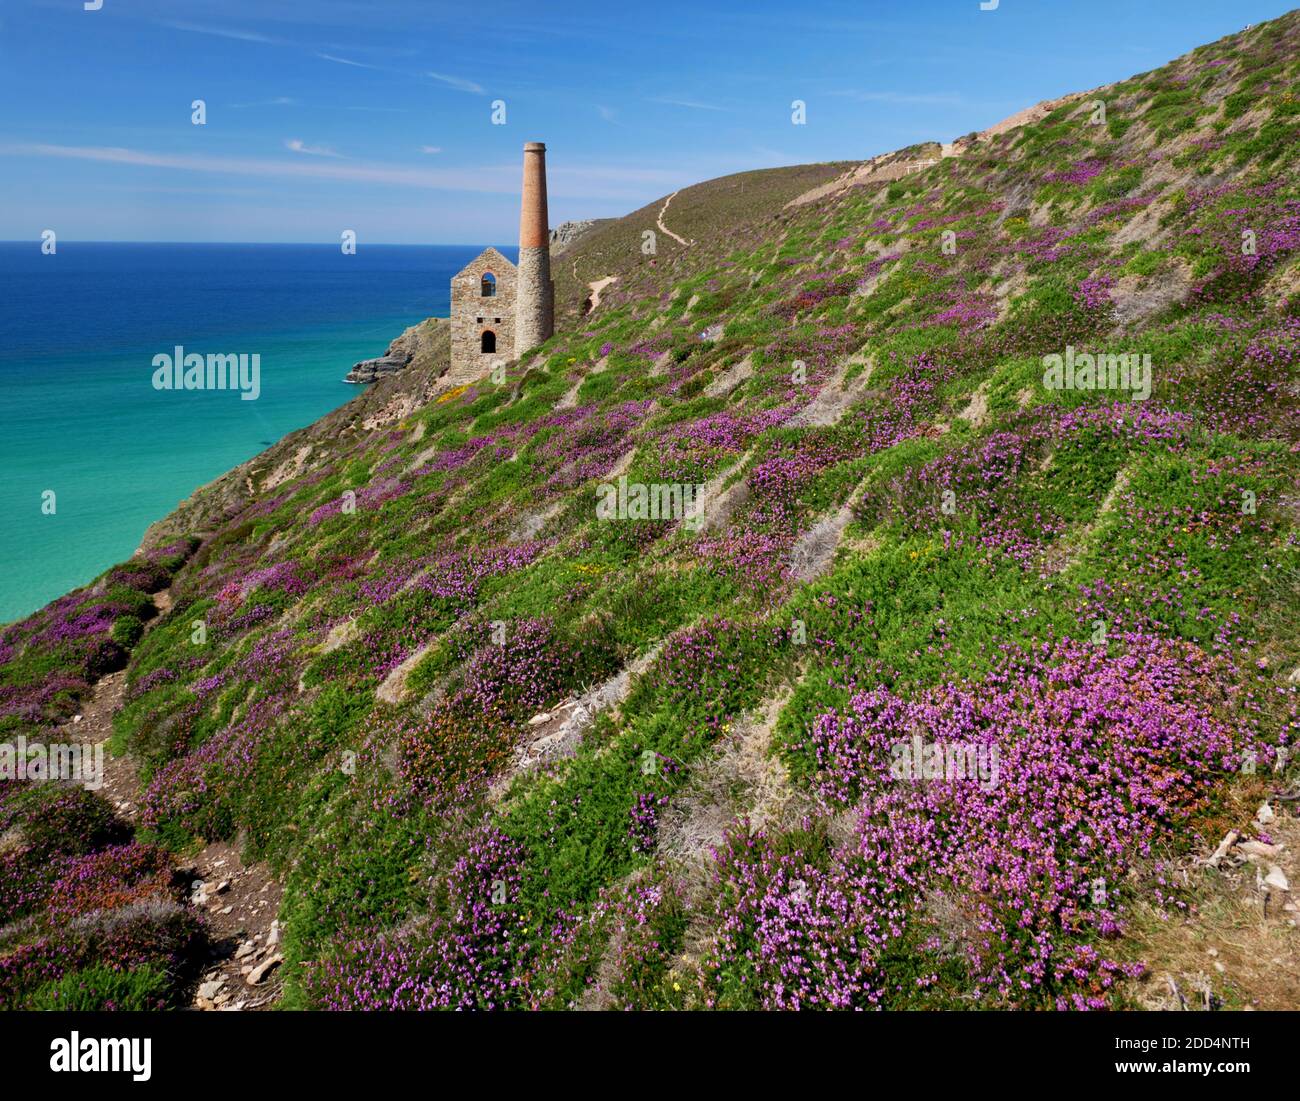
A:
[660, 222]
[239, 902]
[596, 286]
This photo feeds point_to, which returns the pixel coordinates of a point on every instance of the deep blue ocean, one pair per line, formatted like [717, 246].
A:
[81, 418]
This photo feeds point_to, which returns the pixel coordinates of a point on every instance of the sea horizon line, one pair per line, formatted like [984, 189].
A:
[281, 244]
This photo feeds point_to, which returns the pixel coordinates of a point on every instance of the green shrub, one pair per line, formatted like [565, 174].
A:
[126, 631]
[98, 988]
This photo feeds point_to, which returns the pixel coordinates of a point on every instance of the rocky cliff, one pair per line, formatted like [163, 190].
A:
[414, 347]
[566, 233]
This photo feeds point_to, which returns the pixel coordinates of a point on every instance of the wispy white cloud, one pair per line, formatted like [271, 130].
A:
[155, 189]
[694, 105]
[607, 113]
[431, 149]
[278, 101]
[223, 32]
[459, 83]
[346, 61]
[297, 145]
[579, 181]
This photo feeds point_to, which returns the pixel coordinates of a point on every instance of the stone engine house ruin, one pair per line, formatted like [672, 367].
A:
[500, 311]
[482, 312]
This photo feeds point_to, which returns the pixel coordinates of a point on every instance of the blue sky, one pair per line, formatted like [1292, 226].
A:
[375, 115]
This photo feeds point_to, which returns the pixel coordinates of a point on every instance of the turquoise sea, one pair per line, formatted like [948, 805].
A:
[78, 333]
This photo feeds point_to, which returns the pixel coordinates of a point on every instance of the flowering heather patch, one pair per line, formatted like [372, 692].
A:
[1221, 217]
[451, 755]
[144, 576]
[521, 673]
[1239, 391]
[197, 792]
[789, 935]
[172, 555]
[874, 267]
[413, 600]
[283, 577]
[648, 349]
[979, 481]
[973, 213]
[481, 951]
[589, 449]
[999, 499]
[968, 312]
[249, 616]
[910, 397]
[1081, 172]
[821, 351]
[385, 583]
[1277, 347]
[1100, 760]
[458, 577]
[457, 457]
[152, 933]
[471, 860]
[454, 576]
[112, 877]
[1052, 244]
[691, 450]
[777, 479]
[817, 290]
[645, 922]
[1140, 425]
[49, 660]
[469, 734]
[754, 550]
[644, 824]
[369, 497]
[725, 431]
[1094, 293]
[87, 896]
[757, 559]
[151, 680]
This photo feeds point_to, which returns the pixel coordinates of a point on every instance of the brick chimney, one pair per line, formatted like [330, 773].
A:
[534, 295]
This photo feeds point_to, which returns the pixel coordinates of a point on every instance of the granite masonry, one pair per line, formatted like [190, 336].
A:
[482, 314]
[498, 311]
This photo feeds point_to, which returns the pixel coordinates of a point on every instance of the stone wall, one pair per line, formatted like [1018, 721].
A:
[472, 315]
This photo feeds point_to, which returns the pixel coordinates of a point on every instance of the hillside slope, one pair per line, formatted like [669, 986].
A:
[933, 704]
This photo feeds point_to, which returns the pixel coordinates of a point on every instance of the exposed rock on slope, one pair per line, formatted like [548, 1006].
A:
[566, 233]
[912, 533]
[414, 347]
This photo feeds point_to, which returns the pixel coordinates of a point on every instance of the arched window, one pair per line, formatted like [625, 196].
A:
[488, 341]
[488, 288]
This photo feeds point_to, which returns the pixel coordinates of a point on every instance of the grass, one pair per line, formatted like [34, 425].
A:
[971, 542]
